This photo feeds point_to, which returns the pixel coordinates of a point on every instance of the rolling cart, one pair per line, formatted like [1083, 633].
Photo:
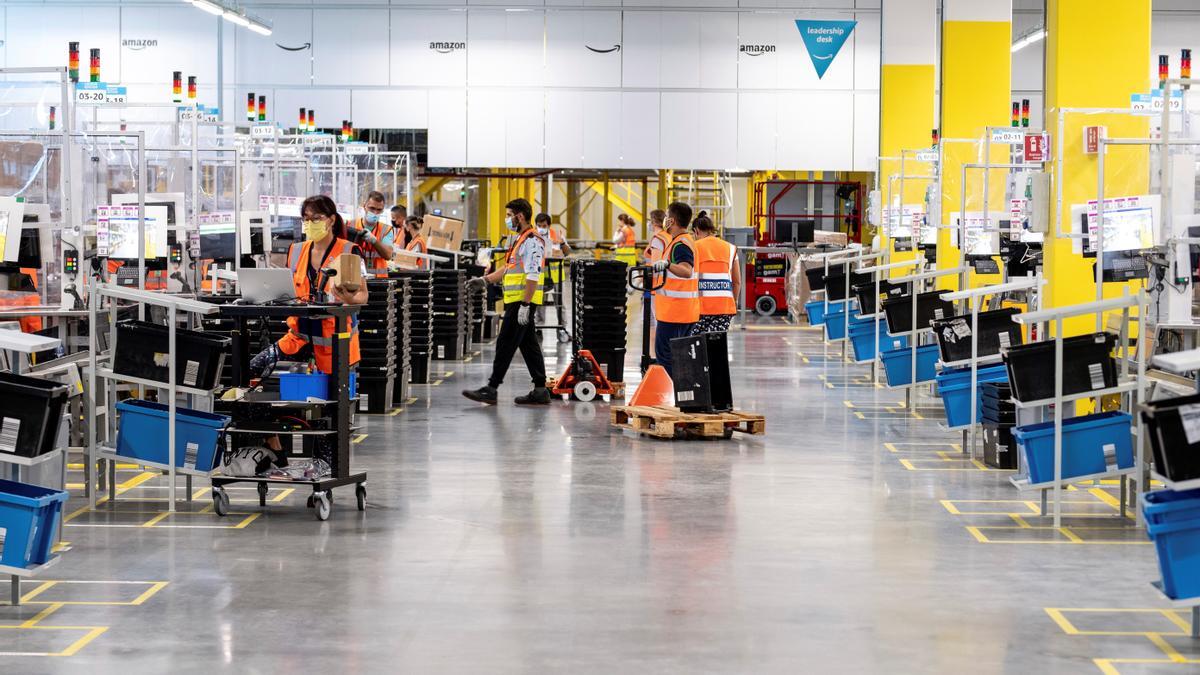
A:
[322, 488]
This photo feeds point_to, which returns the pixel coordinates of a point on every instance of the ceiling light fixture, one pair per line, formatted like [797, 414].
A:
[237, 19]
[210, 7]
[1029, 38]
[233, 14]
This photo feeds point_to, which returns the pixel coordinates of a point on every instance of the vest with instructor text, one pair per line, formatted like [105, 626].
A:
[678, 301]
[715, 259]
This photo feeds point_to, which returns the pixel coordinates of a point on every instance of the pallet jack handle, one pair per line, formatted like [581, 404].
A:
[642, 278]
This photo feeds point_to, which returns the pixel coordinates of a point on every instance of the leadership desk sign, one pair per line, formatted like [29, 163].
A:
[824, 39]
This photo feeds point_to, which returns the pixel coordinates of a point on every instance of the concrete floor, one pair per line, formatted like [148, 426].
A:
[509, 540]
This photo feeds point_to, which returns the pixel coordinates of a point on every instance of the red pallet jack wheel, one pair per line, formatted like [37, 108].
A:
[583, 379]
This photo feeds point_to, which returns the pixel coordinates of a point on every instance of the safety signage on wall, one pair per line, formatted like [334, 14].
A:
[824, 39]
[1037, 148]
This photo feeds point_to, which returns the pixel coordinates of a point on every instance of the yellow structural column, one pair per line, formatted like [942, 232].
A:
[1097, 54]
[975, 94]
[906, 92]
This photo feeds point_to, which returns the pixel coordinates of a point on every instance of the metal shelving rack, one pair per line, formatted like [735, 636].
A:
[1125, 385]
[876, 271]
[95, 451]
[914, 336]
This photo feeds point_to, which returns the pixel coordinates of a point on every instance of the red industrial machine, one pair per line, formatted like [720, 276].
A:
[766, 273]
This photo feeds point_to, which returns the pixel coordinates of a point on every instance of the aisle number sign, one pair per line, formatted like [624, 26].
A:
[115, 96]
[262, 131]
[1154, 101]
[1007, 137]
[90, 93]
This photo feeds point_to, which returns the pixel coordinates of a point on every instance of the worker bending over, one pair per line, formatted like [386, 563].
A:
[521, 276]
[720, 277]
[677, 303]
[374, 234]
[625, 240]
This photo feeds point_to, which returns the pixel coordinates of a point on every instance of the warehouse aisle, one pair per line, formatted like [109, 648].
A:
[852, 538]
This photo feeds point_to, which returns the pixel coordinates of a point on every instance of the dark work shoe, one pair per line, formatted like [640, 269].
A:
[484, 394]
[539, 396]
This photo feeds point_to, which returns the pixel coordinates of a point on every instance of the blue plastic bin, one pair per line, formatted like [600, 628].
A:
[863, 334]
[954, 386]
[1178, 545]
[1084, 441]
[301, 386]
[29, 518]
[1169, 506]
[815, 311]
[897, 365]
[142, 434]
[836, 324]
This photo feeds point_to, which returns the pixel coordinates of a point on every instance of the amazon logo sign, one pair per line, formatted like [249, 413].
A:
[604, 50]
[447, 47]
[299, 48]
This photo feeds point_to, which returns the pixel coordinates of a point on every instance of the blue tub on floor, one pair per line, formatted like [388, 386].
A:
[897, 365]
[1092, 444]
[862, 335]
[954, 386]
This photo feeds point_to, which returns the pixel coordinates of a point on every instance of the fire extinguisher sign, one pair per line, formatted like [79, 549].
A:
[1036, 146]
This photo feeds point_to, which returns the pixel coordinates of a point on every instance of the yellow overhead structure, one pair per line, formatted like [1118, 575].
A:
[599, 187]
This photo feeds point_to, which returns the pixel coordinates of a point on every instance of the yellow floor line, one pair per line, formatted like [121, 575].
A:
[358, 439]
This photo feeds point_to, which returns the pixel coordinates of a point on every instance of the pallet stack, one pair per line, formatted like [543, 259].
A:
[402, 386]
[598, 294]
[377, 344]
[449, 314]
[420, 322]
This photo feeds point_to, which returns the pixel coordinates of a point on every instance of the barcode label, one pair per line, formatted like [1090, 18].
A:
[9, 433]
[1096, 372]
[364, 401]
[685, 395]
[1005, 341]
[961, 329]
[441, 351]
[1189, 416]
[191, 373]
[938, 313]
[190, 455]
[1110, 456]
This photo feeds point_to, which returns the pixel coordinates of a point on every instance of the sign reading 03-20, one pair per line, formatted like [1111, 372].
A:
[824, 39]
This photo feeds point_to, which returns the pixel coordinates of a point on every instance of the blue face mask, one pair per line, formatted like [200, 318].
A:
[511, 224]
[373, 218]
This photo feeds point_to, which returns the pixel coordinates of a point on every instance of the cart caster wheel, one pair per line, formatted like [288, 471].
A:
[585, 391]
[360, 493]
[221, 502]
[262, 494]
[765, 306]
[323, 504]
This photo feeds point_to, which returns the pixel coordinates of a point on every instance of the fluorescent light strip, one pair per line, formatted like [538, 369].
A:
[210, 7]
[1028, 39]
[238, 19]
[233, 15]
[259, 28]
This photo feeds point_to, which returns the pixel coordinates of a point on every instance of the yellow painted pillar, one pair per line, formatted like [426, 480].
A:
[608, 214]
[493, 217]
[1079, 74]
[906, 93]
[975, 94]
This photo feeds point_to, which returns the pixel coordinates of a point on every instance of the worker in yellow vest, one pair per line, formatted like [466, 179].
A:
[521, 276]
[720, 277]
[625, 240]
[677, 303]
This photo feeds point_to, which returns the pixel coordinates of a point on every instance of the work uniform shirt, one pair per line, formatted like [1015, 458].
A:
[532, 254]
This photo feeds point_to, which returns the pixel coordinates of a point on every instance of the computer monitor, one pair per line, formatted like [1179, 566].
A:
[793, 231]
[1129, 224]
[218, 241]
[252, 231]
[172, 201]
[120, 228]
[284, 233]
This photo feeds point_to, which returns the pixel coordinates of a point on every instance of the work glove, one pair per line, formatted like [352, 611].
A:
[660, 265]
[355, 235]
[475, 283]
[524, 314]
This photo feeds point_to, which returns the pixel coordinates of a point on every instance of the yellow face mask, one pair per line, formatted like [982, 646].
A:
[315, 230]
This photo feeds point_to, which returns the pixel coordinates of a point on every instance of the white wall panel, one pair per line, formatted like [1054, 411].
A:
[35, 38]
[639, 130]
[813, 130]
[758, 69]
[182, 43]
[332, 106]
[357, 58]
[525, 127]
[866, 131]
[679, 130]
[718, 131]
[261, 60]
[758, 119]
[415, 61]
[601, 129]
[390, 108]
[571, 41]
[505, 48]
[679, 64]
[718, 50]
[865, 45]
[641, 51]
[485, 127]
[448, 127]
[564, 128]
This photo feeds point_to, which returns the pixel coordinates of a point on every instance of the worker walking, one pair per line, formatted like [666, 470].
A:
[375, 235]
[677, 303]
[658, 238]
[720, 277]
[521, 277]
[625, 240]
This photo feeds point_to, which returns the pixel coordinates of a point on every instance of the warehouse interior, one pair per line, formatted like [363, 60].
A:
[594, 336]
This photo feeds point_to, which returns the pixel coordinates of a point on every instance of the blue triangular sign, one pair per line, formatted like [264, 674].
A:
[824, 40]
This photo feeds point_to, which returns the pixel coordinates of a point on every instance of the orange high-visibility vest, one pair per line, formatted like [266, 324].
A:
[300, 332]
[678, 301]
[630, 239]
[715, 259]
[653, 254]
[376, 264]
[418, 244]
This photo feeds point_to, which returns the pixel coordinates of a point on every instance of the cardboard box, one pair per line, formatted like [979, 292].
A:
[444, 233]
[349, 272]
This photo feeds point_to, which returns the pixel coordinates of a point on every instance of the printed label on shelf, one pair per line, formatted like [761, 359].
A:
[685, 395]
[1008, 136]
[364, 401]
[115, 96]
[938, 313]
[961, 329]
[90, 93]
[191, 373]
[1110, 456]
[1005, 341]
[1189, 416]
[441, 351]
[1096, 371]
[262, 131]
[8, 434]
[190, 455]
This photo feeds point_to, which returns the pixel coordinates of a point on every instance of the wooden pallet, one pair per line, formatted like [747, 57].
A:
[669, 422]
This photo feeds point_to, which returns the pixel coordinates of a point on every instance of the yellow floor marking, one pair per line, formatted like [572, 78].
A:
[37, 591]
[1075, 539]
[358, 439]
[154, 587]
[1166, 648]
[395, 412]
[1071, 537]
[1019, 520]
[1105, 497]
[77, 466]
[156, 519]
[435, 383]
[447, 374]
[50, 609]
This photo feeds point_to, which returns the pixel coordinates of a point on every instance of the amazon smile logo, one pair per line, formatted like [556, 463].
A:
[756, 50]
[447, 47]
[306, 45]
[138, 45]
[610, 50]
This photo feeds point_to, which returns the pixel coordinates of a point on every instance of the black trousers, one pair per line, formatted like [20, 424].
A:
[512, 337]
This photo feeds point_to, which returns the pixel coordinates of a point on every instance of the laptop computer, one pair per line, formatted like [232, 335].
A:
[266, 285]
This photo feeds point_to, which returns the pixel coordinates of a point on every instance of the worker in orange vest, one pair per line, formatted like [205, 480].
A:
[677, 303]
[374, 234]
[625, 240]
[720, 277]
[416, 242]
[324, 232]
[658, 238]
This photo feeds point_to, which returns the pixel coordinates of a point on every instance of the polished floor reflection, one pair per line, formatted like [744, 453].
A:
[852, 538]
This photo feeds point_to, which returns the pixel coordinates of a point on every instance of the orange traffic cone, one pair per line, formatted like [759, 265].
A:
[656, 388]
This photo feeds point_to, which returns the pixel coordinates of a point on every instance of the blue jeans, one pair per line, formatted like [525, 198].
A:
[666, 331]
